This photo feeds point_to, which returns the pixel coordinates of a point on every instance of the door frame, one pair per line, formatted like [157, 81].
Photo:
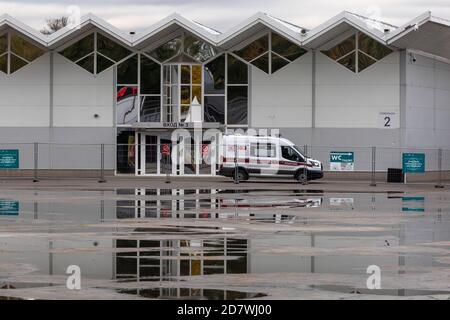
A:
[143, 159]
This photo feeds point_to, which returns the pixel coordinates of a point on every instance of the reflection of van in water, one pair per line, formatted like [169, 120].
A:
[266, 156]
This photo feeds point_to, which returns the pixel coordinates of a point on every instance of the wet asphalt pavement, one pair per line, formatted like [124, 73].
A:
[226, 242]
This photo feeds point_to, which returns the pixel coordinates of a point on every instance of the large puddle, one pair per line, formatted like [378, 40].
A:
[222, 244]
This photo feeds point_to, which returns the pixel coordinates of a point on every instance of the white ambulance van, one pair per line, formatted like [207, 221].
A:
[264, 155]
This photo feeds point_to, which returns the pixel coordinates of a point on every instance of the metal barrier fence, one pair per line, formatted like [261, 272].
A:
[45, 160]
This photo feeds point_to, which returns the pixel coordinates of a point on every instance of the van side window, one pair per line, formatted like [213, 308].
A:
[289, 153]
[266, 150]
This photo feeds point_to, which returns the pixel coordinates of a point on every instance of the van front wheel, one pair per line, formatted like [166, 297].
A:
[301, 176]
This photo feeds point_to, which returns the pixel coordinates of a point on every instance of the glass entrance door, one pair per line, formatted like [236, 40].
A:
[190, 155]
[150, 154]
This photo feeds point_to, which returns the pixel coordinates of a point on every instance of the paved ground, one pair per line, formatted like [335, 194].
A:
[218, 182]
[209, 238]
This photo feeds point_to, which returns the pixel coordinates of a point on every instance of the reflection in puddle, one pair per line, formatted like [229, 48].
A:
[176, 238]
[156, 260]
[201, 203]
[192, 294]
[383, 292]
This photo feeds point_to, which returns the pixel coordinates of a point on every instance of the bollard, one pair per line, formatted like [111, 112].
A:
[305, 150]
[374, 159]
[36, 161]
[102, 164]
[440, 185]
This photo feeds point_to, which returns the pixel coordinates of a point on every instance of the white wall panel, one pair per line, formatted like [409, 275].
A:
[25, 95]
[282, 99]
[349, 100]
[78, 95]
[73, 116]
[427, 102]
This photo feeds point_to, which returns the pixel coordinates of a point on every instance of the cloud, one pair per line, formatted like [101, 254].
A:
[220, 14]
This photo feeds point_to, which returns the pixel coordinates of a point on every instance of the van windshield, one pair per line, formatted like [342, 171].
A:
[298, 150]
[290, 153]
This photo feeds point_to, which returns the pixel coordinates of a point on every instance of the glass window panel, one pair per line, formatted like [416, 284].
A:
[87, 63]
[286, 48]
[150, 76]
[168, 115]
[4, 63]
[198, 49]
[3, 43]
[127, 104]
[214, 74]
[214, 109]
[196, 74]
[254, 49]
[16, 63]
[237, 104]
[190, 162]
[205, 163]
[349, 61]
[185, 95]
[150, 109]
[110, 48]
[341, 49]
[125, 152]
[237, 71]
[167, 50]
[364, 61]
[262, 63]
[372, 47]
[184, 112]
[185, 74]
[278, 62]
[103, 63]
[25, 49]
[197, 93]
[267, 150]
[127, 71]
[79, 49]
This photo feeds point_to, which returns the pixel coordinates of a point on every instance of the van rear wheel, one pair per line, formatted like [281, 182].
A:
[242, 175]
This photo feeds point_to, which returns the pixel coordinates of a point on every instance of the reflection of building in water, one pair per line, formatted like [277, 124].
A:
[204, 203]
[162, 260]
[167, 203]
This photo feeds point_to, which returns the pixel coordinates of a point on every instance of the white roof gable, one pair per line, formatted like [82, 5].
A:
[429, 26]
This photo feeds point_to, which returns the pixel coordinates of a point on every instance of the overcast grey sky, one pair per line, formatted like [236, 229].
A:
[222, 14]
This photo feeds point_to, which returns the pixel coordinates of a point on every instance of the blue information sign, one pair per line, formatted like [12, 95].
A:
[9, 159]
[413, 162]
[9, 208]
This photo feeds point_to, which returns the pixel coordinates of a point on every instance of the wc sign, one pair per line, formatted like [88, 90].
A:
[342, 161]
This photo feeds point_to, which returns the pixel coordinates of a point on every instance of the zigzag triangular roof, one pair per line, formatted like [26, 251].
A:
[381, 31]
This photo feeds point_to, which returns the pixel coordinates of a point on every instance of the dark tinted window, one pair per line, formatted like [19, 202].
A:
[150, 76]
[254, 49]
[214, 75]
[79, 49]
[214, 109]
[237, 104]
[237, 71]
[111, 49]
[127, 71]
